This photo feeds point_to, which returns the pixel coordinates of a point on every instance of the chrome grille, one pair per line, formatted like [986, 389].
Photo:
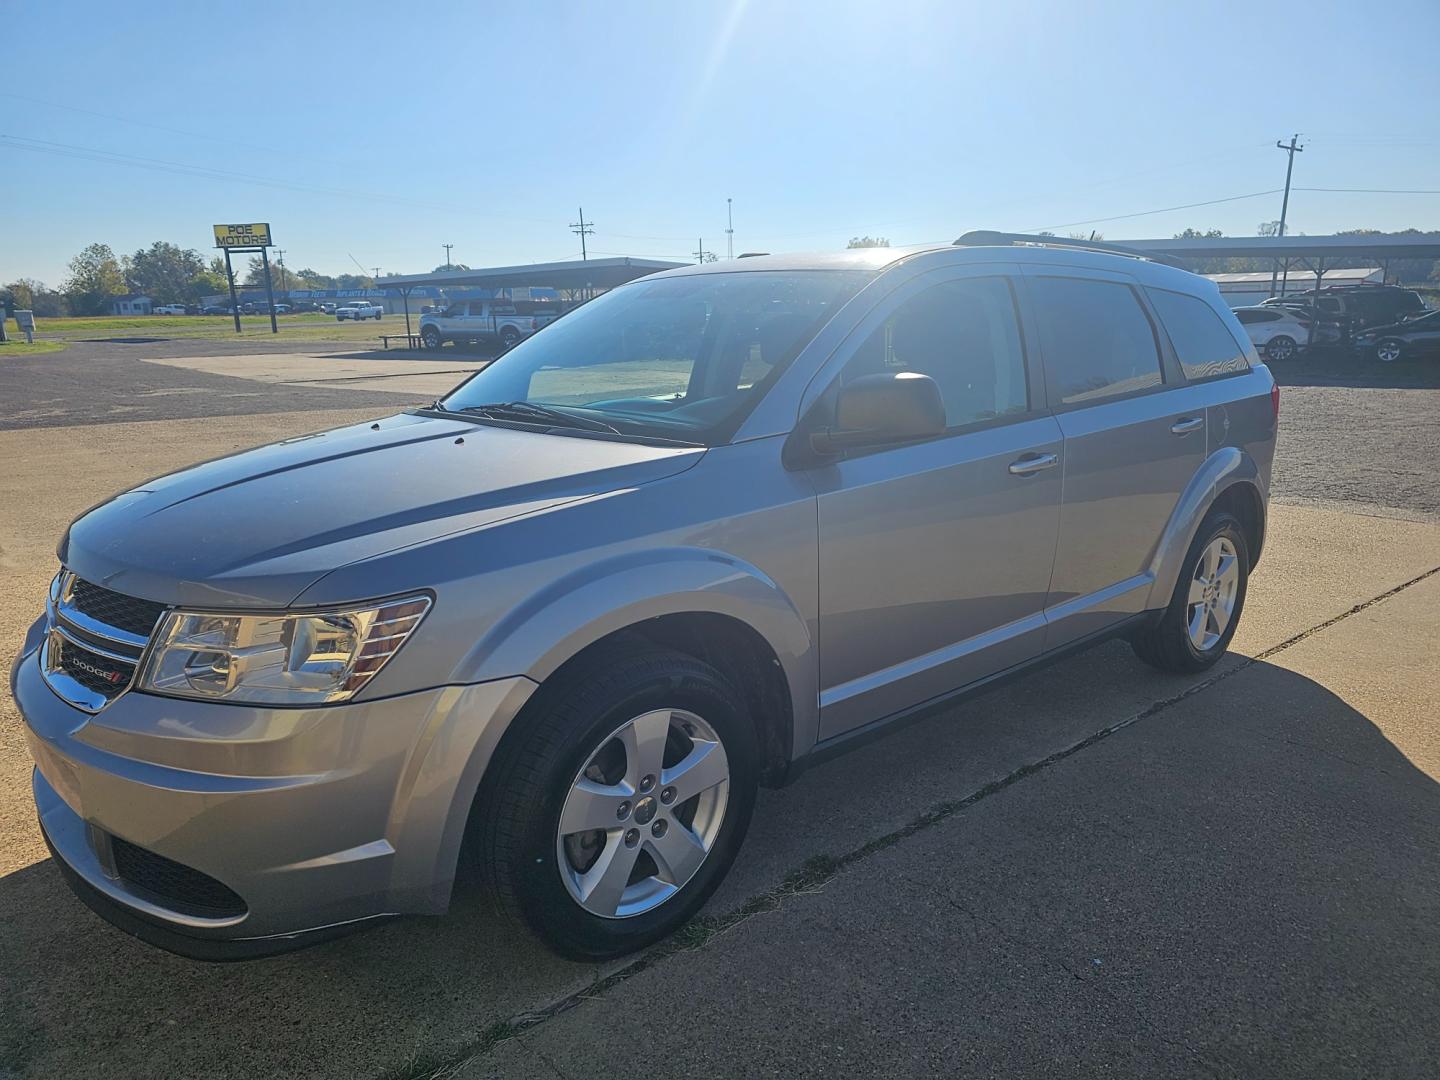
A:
[95, 641]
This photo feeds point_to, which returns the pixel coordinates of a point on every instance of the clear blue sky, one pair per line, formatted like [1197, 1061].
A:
[399, 127]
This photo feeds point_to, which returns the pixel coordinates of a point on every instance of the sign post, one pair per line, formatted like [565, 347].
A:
[247, 238]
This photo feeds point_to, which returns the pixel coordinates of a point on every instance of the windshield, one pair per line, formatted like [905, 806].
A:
[677, 358]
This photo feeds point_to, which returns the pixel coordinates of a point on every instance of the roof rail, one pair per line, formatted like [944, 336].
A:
[990, 238]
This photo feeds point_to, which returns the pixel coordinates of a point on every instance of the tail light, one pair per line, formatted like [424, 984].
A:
[1275, 401]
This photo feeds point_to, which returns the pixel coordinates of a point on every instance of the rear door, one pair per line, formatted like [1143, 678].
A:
[1134, 435]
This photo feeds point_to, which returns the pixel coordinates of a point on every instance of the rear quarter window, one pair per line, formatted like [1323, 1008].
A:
[1203, 343]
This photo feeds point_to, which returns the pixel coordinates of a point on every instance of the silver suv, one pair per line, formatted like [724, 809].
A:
[696, 535]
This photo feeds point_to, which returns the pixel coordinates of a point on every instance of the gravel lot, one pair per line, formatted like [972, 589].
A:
[1369, 449]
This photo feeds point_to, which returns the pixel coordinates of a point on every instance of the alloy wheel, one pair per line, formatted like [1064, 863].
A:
[1388, 351]
[643, 813]
[1213, 588]
[1280, 348]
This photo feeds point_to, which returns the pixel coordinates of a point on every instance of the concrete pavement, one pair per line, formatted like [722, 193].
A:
[1245, 883]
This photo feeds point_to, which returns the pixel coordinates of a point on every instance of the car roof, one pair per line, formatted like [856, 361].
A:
[878, 260]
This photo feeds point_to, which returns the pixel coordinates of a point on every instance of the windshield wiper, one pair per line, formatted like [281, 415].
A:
[528, 410]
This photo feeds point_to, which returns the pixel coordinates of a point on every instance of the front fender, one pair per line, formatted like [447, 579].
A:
[1223, 469]
[558, 621]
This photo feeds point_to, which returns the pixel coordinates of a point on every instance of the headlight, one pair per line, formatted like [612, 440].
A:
[301, 659]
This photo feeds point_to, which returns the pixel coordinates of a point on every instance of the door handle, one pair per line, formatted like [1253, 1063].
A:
[1187, 425]
[1033, 463]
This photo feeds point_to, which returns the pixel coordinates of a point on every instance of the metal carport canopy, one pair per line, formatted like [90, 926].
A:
[1294, 247]
[575, 274]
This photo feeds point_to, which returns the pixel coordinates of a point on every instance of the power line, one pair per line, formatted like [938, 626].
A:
[1375, 190]
[180, 168]
[1162, 210]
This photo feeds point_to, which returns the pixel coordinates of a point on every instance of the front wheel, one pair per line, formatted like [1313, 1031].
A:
[1388, 350]
[1195, 629]
[621, 803]
[430, 337]
[1280, 348]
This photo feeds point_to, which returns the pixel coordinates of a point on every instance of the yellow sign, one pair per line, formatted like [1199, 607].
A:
[256, 235]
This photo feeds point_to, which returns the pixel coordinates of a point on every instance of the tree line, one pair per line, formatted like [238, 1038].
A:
[170, 274]
[165, 272]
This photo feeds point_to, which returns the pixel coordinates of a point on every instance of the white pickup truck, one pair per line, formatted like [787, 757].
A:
[168, 309]
[479, 320]
[360, 309]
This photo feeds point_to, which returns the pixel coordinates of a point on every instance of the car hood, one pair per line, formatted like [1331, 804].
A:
[256, 529]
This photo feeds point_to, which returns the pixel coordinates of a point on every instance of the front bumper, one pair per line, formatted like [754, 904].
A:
[318, 820]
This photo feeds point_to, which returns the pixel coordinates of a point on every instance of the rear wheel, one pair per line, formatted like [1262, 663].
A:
[1195, 629]
[1280, 348]
[1388, 350]
[508, 337]
[621, 804]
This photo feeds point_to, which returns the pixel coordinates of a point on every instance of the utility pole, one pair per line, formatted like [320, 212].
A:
[583, 228]
[447, 247]
[729, 230]
[700, 253]
[1293, 149]
[280, 260]
[376, 278]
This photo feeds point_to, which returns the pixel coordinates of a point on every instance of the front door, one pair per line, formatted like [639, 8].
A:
[934, 558]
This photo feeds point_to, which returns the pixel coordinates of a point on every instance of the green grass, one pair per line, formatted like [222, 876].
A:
[311, 326]
[13, 348]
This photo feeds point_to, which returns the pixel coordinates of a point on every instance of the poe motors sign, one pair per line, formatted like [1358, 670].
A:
[254, 235]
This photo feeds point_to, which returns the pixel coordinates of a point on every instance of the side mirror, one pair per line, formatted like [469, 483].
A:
[878, 409]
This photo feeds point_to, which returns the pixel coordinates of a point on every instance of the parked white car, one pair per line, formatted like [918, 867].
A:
[168, 309]
[1277, 332]
[362, 309]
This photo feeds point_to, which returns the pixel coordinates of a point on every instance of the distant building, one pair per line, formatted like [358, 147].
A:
[1243, 290]
[130, 305]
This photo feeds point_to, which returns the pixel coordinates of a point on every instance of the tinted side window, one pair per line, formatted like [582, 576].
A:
[1203, 342]
[964, 335]
[1248, 317]
[1098, 340]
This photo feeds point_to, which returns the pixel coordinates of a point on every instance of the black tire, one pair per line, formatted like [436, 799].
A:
[509, 337]
[1166, 643]
[518, 811]
[1280, 348]
[430, 338]
[1388, 350]
[377, 315]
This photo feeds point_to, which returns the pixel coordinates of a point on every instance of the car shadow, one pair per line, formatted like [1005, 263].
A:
[1311, 817]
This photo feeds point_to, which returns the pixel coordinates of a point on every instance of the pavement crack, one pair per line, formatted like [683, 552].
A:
[817, 871]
